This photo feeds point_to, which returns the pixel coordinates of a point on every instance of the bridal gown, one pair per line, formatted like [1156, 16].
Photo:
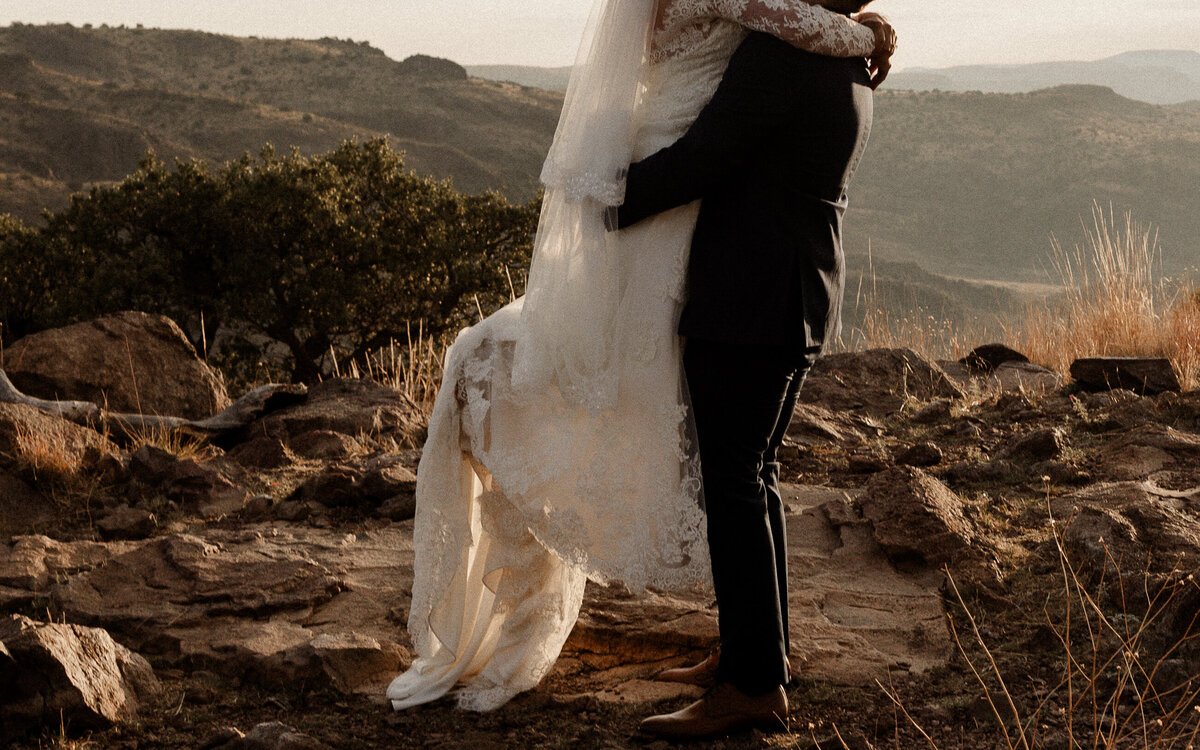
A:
[522, 494]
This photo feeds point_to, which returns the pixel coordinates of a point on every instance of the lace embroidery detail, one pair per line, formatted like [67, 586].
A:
[684, 24]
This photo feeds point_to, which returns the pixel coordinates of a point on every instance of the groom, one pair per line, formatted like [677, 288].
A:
[771, 156]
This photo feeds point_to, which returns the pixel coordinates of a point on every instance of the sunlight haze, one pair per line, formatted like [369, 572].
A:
[545, 32]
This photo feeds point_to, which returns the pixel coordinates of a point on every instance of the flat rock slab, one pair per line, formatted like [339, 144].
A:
[289, 604]
[854, 616]
[1146, 375]
[285, 603]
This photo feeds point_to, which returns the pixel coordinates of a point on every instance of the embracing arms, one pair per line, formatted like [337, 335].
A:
[812, 28]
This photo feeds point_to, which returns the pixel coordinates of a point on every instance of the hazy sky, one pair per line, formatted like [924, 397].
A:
[545, 32]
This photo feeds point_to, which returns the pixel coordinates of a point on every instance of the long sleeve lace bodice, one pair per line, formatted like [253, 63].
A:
[682, 24]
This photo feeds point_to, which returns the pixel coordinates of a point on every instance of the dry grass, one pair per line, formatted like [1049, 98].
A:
[47, 453]
[413, 368]
[1116, 303]
[883, 327]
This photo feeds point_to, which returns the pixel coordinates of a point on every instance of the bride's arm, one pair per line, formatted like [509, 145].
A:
[809, 27]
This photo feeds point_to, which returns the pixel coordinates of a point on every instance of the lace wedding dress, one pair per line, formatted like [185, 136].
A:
[527, 488]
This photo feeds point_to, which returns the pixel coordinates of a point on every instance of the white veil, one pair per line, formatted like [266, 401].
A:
[569, 316]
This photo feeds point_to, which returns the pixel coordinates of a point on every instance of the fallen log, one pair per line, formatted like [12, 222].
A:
[247, 409]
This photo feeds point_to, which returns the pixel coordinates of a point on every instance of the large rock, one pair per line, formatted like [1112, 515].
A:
[349, 407]
[68, 675]
[986, 358]
[913, 516]
[128, 362]
[877, 382]
[1148, 375]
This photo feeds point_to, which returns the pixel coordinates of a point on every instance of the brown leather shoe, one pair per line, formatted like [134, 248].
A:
[722, 710]
[704, 673]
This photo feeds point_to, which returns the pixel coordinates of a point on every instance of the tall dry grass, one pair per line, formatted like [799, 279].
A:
[1111, 693]
[1116, 303]
[884, 327]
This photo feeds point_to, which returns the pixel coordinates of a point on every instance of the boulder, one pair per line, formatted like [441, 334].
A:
[913, 516]
[202, 487]
[382, 479]
[986, 358]
[67, 675]
[922, 454]
[349, 407]
[1145, 375]
[129, 362]
[1038, 445]
[323, 444]
[877, 382]
[124, 522]
[935, 413]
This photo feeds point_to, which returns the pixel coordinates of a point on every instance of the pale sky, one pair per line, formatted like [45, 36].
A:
[933, 33]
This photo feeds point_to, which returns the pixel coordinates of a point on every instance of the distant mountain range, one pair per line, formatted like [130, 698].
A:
[1155, 76]
[966, 184]
[551, 79]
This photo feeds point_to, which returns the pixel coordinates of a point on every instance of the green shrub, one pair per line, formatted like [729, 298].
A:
[324, 256]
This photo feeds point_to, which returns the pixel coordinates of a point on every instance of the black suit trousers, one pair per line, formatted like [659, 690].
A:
[742, 400]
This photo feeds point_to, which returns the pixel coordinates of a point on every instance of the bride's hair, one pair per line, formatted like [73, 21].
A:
[846, 6]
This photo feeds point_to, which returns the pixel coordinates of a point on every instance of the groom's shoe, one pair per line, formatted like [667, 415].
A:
[722, 710]
[705, 672]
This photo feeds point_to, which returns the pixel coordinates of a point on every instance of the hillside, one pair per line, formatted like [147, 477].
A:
[80, 105]
[974, 184]
[964, 183]
[1155, 76]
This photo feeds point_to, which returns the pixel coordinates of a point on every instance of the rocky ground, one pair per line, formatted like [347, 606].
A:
[248, 587]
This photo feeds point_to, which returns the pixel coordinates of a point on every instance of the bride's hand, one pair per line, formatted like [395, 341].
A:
[885, 45]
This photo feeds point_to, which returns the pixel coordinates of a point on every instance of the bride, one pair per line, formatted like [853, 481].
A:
[559, 448]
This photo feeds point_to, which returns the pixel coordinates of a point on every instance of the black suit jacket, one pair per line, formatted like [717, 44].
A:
[771, 156]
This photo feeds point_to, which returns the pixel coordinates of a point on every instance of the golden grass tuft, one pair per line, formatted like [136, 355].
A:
[1116, 303]
[48, 454]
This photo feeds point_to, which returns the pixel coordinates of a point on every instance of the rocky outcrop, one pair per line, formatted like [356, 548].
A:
[277, 606]
[914, 517]
[348, 407]
[67, 675]
[128, 362]
[877, 382]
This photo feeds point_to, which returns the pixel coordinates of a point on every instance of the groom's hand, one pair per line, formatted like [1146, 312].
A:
[885, 45]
